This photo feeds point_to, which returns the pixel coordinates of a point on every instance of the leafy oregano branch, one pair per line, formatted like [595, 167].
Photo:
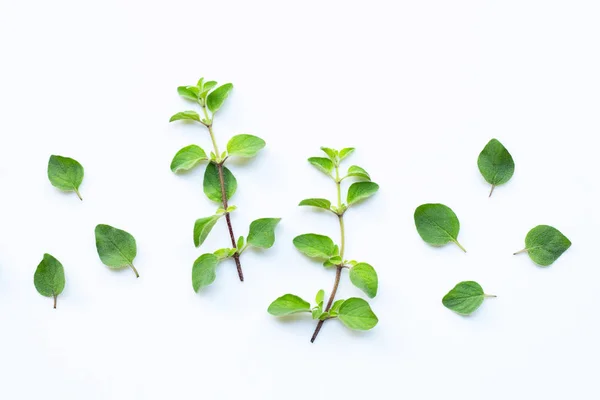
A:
[355, 313]
[219, 183]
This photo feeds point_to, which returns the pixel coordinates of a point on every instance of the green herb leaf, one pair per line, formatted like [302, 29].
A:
[200, 84]
[320, 203]
[320, 297]
[204, 271]
[212, 183]
[346, 152]
[116, 248]
[208, 85]
[187, 158]
[202, 228]
[496, 164]
[322, 164]
[334, 310]
[65, 174]
[241, 242]
[217, 97]
[361, 190]
[358, 172]
[316, 246]
[437, 224]
[545, 245]
[186, 92]
[356, 314]
[288, 304]
[49, 277]
[465, 298]
[185, 115]
[245, 145]
[331, 153]
[364, 277]
[221, 254]
[262, 232]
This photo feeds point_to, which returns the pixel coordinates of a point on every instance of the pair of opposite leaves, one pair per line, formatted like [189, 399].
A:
[116, 249]
[438, 225]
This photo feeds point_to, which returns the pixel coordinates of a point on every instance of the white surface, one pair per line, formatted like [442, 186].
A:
[417, 87]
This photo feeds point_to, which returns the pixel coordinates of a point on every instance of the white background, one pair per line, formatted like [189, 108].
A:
[418, 87]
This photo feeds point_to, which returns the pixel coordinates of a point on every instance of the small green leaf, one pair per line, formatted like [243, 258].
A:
[322, 164]
[288, 304]
[320, 203]
[358, 172]
[262, 232]
[361, 190]
[212, 183]
[200, 83]
[241, 242]
[231, 209]
[116, 248]
[496, 164]
[320, 297]
[217, 97]
[186, 92]
[364, 277]
[334, 310]
[65, 174]
[204, 271]
[202, 228]
[222, 253]
[356, 314]
[545, 245]
[346, 152]
[331, 153]
[187, 158]
[245, 145]
[185, 115]
[49, 277]
[316, 246]
[465, 298]
[437, 224]
[335, 260]
[208, 85]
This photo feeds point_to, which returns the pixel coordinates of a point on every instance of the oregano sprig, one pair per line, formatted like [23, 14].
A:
[219, 182]
[354, 313]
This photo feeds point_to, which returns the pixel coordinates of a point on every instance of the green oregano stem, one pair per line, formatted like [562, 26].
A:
[338, 271]
[236, 256]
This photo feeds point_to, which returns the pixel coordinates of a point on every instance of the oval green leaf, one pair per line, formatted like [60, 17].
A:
[323, 164]
[65, 174]
[185, 115]
[245, 145]
[202, 228]
[188, 92]
[262, 232]
[364, 277]
[361, 190]
[49, 277]
[437, 224]
[204, 271]
[217, 97]
[545, 244]
[187, 158]
[495, 164]
[288, 304]
[346, 152]
[358, 172]
[316, 246]
[320, 203]
[116, 248]
[465, 298]
[356, 314]
[212, 183]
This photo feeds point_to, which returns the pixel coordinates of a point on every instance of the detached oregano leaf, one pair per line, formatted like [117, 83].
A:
[545, 244]
[204, 271]
[288, 304]
[437, 224]
[212, 183]
[364, 277]
[49, 277]
[187, 158]
[316, 246]
[465, 298]
[356, 314]
[496, 164]
[65, 174]
[202, 228]
[262, 232]
[360, 191]
[245, 145]
[116, 248]
[217, 97]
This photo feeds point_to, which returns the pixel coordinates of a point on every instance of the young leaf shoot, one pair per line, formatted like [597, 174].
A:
[219, 182]
[116, 248]
[49, 277]
[545, 244]
[465, 298]
[437, 225]
[65, 174]
[495, 164]
[354, 313]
